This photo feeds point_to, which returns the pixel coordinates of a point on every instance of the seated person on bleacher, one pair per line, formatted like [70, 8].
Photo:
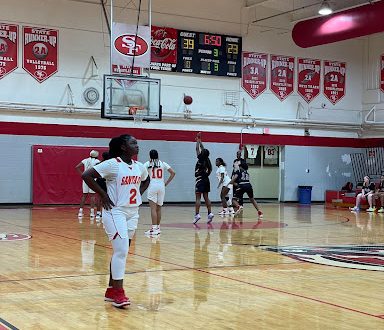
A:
[366, 193]
[380, 194]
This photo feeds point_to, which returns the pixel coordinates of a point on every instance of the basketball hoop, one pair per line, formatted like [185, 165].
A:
[137, 114]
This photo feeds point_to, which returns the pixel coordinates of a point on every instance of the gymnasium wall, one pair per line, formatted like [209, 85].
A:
[372, 95]
[327, 169]
[321, 167]
[83, 33]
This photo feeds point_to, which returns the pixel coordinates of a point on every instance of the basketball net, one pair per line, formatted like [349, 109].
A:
[137, 113]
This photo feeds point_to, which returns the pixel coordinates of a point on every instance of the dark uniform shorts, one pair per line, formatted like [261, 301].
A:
[243, 188]
[203, 185]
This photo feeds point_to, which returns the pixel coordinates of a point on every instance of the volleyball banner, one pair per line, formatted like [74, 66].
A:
[9, 36]
[130, 49]
[254, 73]
[40, 52]
[282, 76]
[382, 73]
[334, 81]
[163, 48]
[308, 78]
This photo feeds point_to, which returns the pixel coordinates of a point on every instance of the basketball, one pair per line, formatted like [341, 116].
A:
[188, 99]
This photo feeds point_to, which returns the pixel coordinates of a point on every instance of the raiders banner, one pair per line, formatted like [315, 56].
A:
[334, 81]
[40, 52]
[163, 48]
[282, 75]
[254, 73]
[308, 82]
[130, 50]
[382, 73]
[9, 36]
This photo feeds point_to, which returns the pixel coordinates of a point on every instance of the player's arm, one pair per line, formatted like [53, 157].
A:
[172, 174]
[144, 185]
[199, 144]
[145, 180]
[221, 180]
[79, 168]
[89, 177]
[234, 178]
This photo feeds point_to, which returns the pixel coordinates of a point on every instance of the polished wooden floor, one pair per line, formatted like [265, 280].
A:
[218, 277]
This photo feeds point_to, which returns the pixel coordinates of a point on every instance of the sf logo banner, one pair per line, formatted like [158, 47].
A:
[130, 49]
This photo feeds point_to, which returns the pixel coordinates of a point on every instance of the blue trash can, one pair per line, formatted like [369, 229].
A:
[305, 193]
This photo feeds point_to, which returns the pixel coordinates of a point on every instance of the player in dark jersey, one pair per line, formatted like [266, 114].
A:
[236, 164]
[203, 169]
[242, 185]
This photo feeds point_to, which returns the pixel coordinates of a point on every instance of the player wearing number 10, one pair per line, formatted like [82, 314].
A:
[126, 180]
[156, 190]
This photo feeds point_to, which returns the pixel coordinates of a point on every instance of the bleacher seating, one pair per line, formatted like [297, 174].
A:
[341, 198]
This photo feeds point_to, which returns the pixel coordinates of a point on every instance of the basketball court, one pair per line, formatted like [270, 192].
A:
[237, 273]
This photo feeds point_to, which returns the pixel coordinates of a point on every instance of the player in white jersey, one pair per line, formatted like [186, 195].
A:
[224, 186]
[86, 164]
[126, 181]
[156, 190]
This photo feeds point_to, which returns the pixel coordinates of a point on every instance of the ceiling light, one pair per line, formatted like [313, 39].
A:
[325, 8]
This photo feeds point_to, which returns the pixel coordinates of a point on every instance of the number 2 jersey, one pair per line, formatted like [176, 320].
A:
[156, 171]
[123, 181]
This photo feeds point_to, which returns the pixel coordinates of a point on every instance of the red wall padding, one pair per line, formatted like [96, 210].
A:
[55, 180]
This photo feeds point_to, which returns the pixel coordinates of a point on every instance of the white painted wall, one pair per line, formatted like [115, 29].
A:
[83, 33]
[372, 95]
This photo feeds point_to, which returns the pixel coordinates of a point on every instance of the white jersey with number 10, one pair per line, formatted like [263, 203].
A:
[156, 171]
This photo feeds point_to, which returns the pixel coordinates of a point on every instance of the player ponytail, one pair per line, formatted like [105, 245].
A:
[204, 159]
[154, 157]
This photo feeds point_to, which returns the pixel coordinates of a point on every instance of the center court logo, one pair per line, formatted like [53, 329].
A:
[365, 257]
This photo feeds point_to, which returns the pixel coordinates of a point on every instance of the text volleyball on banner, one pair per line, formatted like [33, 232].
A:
[282, 75]
[254, 73]
[252, 150]
[130, 49]
[334, 80]
[163, 48]
[308, 78]
[40, 52]
[9, 36]
[382, 73]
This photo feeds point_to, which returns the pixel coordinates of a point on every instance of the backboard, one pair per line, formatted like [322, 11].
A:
[126, 96]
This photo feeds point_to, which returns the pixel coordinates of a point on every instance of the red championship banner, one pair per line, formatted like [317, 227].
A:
[308, 82]
[163, 48]
[282, 75]
[9, 36]
[40, 52]
[254, 73]
[382, 73]
[334, 81]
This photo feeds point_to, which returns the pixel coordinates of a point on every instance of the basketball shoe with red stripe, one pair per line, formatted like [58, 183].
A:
[120, 299]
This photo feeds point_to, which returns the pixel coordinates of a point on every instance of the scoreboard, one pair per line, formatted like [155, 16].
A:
[210, 54]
